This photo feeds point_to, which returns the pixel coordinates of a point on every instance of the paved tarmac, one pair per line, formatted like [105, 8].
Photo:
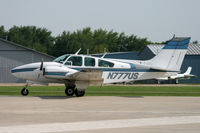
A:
[99, 114]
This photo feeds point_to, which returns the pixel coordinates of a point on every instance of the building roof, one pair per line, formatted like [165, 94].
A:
[179, 39]
[29, 49]
[193, 49]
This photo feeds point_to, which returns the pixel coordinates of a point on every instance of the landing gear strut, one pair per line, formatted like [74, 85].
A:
[25, 91]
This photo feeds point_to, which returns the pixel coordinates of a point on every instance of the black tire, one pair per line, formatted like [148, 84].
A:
[69, 91]
[79, 93]
[24, 92]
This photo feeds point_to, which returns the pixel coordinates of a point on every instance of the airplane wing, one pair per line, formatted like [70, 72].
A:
[93, 76]
[89, 75]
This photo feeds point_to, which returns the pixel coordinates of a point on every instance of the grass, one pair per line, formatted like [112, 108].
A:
[107, 91]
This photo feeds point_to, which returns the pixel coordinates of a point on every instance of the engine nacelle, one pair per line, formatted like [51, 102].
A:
[57, 71]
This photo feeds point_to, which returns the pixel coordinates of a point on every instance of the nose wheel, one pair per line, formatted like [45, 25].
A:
[24, 91]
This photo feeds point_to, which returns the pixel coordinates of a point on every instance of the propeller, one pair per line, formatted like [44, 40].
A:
[41, 66]
[42, 70]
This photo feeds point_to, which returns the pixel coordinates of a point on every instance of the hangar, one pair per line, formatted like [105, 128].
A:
[12, 55]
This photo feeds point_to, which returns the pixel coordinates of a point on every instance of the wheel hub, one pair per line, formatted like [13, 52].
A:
[70, 91]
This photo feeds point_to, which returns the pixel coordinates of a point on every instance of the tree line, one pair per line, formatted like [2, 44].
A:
[92, 41]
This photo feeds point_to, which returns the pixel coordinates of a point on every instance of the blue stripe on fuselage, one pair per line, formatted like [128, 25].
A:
[123, 70]
[113, 69]
[79, 69]
[56, 73]
[23, 70]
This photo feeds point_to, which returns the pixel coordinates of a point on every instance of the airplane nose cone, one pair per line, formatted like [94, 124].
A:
[15, 72]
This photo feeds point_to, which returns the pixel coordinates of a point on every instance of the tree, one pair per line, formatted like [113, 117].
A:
[32, 37]
[3, 33]
[195, 42]
[69, 42]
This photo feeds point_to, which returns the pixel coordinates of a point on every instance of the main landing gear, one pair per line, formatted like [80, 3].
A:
[79, 93]
[71, 90]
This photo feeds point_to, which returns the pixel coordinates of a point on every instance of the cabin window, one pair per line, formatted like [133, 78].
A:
[74, 61]
[61, 59]
[89, 61]
[103, 63]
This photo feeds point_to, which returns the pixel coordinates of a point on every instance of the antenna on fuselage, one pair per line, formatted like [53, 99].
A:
[78, 51]
[103, 55]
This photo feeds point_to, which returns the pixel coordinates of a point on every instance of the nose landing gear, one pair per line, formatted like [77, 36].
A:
[25, 91]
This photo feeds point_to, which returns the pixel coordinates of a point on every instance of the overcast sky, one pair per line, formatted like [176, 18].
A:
[157, 20]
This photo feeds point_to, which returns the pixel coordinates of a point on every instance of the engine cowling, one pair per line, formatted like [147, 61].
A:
[57, 71]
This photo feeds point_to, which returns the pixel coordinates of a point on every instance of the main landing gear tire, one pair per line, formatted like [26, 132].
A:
[79, 93]
[69, 91]
[24, 92]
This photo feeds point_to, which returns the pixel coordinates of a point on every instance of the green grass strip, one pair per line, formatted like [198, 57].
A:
[106, 91]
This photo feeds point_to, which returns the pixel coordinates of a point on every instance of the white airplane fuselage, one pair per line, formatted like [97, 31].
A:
[120, 72]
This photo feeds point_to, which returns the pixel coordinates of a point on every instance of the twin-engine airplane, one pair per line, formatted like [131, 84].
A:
[77, 72]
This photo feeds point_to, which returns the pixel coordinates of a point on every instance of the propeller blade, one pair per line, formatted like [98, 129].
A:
[41, 66]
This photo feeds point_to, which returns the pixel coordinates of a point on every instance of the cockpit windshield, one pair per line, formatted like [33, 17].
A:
[62, 58]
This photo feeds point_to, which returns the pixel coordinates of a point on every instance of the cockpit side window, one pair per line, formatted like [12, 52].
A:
[89, 61]
[103, 63]
[74, 61]
[61, 59]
